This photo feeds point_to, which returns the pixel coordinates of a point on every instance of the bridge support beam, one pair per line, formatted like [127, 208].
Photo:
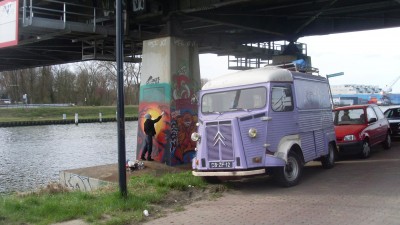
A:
[170, 79]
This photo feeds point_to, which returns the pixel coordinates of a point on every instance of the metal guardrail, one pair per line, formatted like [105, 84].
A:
[33, 105]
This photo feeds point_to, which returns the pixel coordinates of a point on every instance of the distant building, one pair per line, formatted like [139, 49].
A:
[349, 89]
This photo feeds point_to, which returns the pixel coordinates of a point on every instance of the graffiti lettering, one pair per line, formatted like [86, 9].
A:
[156, 43]
[181, 43]
[152, 80]
[174, 137]
[7, 9]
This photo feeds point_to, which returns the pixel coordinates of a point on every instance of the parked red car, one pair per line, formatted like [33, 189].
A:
[358, 127]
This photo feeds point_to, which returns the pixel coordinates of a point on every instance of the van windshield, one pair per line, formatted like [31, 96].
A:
[234, 100]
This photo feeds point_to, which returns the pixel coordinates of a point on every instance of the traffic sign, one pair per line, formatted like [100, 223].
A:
[334, 75]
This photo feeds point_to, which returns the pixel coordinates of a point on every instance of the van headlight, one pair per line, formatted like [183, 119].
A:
[252, 132]
[195, 136]
[349, 138]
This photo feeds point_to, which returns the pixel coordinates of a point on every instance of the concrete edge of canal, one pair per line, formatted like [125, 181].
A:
[92, 178]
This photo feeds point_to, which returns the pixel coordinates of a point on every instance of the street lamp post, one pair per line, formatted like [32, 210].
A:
[329, 76]
[120, 109]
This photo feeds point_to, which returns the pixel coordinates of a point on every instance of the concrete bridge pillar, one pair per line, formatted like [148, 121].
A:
[170, 79]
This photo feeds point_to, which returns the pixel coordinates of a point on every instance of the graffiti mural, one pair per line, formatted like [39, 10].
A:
[184, 89]
[160, 140]
[182, 127]
[183, 116]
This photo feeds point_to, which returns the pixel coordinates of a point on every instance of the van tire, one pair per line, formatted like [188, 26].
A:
[366, 150]
[212, 180]
[290, 174]
[328, 161]
[387, 144]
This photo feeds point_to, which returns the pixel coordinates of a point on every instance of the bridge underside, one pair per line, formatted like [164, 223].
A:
[53, 32]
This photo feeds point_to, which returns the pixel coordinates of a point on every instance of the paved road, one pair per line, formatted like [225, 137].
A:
[354, 192]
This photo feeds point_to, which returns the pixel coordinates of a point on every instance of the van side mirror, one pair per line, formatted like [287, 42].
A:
[194, 100]
[372, 120]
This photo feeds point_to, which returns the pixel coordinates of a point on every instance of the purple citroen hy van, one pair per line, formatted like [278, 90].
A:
[268, 120]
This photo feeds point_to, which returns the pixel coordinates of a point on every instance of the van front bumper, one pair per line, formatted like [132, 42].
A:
[227, 173]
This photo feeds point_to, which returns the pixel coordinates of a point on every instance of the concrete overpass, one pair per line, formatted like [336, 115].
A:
[54, 32]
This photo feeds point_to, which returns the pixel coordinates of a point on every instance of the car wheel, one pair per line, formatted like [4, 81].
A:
[366, 150]
[387, 144]
[289, 175]
[328, 161]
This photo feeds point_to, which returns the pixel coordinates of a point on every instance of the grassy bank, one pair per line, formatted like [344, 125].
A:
[53, 205]
[56, 113]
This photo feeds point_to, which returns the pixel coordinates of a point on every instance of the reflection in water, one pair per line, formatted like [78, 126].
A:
[33, 156]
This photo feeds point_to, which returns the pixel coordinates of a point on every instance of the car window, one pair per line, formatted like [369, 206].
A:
[393, 113]
[349, 116]
[388, 113]
[371, 113]
[379, 113]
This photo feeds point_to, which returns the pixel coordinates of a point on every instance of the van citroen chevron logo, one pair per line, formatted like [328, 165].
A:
[219, 138]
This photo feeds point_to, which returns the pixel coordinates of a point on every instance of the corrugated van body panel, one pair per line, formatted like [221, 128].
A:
[318, 122]
[282, 124]
[310, 120]
[308, 145]
[253, 147]
[319, 142]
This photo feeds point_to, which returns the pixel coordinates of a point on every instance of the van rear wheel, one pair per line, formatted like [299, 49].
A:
[289, 175]
[328, 161]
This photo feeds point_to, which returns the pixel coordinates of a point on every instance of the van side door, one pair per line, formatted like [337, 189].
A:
[282, 120]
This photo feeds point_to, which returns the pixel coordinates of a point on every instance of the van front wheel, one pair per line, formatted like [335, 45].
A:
[290, 174]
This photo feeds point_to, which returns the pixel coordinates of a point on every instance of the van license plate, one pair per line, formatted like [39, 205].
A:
[220, 165]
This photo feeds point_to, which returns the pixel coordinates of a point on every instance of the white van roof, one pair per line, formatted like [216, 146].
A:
[254, 76]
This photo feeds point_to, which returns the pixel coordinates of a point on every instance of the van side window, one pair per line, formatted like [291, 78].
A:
[281, 98]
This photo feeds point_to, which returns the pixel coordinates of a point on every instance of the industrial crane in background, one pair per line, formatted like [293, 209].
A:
[385, 100]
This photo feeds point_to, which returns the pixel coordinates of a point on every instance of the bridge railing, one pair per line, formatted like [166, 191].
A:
[62, 11]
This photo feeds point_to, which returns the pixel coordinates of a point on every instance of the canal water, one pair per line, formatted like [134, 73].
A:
[33, 156]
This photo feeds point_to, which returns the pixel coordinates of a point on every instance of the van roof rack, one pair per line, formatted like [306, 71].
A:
[299, 67]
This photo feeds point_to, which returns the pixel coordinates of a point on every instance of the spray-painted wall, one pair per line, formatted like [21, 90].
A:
[170, 79]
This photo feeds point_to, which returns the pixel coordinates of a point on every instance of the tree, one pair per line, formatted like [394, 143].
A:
[132, 72]
[86, 83]
[64, 84]
[45, 85]
[9, 83]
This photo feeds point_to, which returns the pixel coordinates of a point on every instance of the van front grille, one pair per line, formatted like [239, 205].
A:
[219, 141]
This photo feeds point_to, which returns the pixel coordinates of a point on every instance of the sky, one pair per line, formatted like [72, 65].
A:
[365, 57]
